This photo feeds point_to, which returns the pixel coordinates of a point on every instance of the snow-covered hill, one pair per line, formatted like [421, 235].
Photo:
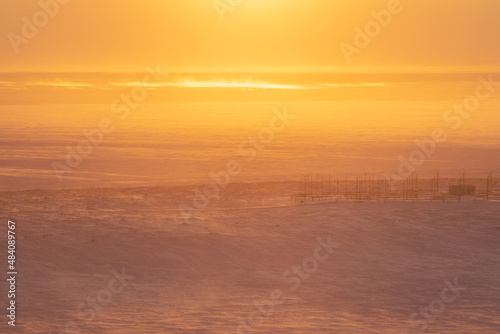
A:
[126, 261]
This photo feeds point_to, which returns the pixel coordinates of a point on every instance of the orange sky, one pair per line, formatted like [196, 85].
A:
[258, 35]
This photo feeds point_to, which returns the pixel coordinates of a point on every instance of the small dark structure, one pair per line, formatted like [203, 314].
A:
[463, 190]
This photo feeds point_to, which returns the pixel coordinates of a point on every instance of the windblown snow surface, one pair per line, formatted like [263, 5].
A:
[390, 267]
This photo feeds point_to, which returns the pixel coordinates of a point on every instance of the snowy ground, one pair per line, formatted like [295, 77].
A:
[389, 267]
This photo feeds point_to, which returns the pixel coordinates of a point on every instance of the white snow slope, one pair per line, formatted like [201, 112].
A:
[229, 268]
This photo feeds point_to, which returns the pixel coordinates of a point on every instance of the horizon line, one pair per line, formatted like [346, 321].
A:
[352, 70]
